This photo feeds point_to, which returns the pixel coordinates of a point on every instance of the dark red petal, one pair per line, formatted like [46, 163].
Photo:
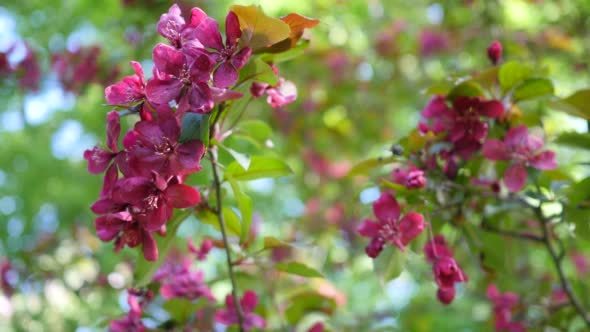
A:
[232, 29]
[150, 248]
[162, 91]
[208, 34]
[225, 75]
[113, 130]
[182, 196]
[386, 208]
[168, 60]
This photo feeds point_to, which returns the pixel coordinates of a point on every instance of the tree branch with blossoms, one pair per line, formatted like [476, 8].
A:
[470, 156]
[146, 195]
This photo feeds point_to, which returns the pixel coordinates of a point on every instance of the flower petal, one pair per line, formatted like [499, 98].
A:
[544, 160]
[515, 177]
[207, 32]
[162, 91]
[225, 75]
[410, 226]
[386, 208]
[494, 149]
[168, 60]
[182, 196]
[232, 28]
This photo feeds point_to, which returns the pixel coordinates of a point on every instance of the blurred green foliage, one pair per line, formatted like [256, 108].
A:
[361, 84]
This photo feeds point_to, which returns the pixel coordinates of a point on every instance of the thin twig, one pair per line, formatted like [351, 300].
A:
[525, 236]
[219, 212]
[556, 258]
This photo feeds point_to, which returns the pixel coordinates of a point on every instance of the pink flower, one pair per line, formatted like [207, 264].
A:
[29, 70]
[503, 304]
[581, 263]
[181, 77]
[495, 52]
[463, 122]
[75, 69]
[389, 228]
[98, 158]
[203, 249]
[444, 267]
[154, 146]
[132, 322]
[523, 150]
[152, 200]
[279, 95]
[188, 284]
[410, 177]
[129, 90]
[229, 315]
[432, 42]
[230, 56]
[135, 207]
[5, 283]
[447, 272]
[317, 327]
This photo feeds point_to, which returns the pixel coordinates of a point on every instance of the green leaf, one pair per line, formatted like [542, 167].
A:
[260, 167]
[240, 158]
[511, 73]
[257, 129]
[308, 301]
[245, 206]
[195, 126]
[574, 140]
[533, 88]
[579, 192]
[299, 269]
[290, 54]
[182, 309]
[577, 104]
[389, 264]
[439, 88]
[272, 242]
[232, 221]
[466, 89]
[258, 71]
[144, 270]
[365, 166]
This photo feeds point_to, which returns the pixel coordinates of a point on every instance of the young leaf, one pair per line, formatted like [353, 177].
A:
[245, 205]
[144, 270]
[232, 222]
[299, 269]
[260, 167]
[389, 264]
[259, 30]
[365, 166]
[511, 73]
[577, 104]
[574, 140]
[466, 89]
[240, 158]
[533, 88]
[256, 129]
[297, 23]
[259, 71]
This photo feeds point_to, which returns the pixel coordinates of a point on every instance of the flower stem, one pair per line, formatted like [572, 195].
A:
[219, 212]
[557, 258]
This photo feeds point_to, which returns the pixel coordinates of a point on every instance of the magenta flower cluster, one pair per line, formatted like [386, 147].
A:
[390, 228]
[145, 173]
